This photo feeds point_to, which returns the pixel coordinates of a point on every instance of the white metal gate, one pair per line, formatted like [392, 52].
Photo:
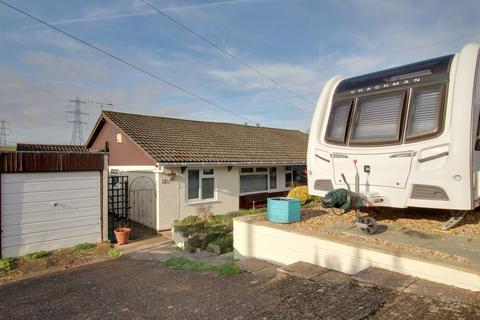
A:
[142, 198]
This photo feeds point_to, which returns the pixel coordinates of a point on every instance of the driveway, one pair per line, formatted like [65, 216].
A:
[136, 289]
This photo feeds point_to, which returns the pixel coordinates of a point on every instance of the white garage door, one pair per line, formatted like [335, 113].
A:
[47, 211]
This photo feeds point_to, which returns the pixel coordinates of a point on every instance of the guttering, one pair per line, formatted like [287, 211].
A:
[231, 163]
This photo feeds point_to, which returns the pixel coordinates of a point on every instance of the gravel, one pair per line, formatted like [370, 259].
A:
[422, 220]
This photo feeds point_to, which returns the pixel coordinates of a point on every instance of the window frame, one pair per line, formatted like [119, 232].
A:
[258, 173]
[289, 171]
[201, 176]
[270, 171]
[441, 119]
[254, 173]
[401, 120]
[347, 125]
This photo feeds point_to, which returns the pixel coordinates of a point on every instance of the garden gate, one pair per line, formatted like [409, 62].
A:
[142, 206]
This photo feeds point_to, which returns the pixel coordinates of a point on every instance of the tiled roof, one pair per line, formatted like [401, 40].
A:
[176, 140]
[50, 147]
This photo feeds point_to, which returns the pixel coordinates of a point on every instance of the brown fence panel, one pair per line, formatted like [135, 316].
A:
[11, 162]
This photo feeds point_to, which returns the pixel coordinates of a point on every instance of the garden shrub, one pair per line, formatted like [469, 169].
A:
[225, 243]
[35, 255]
[83, 246]
[187, 221]
[114, 253]
[216, 228]
[209, 237]
[7, 264]
[301, 193]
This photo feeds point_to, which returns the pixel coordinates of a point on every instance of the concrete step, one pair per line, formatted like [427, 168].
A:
[157, 242]
[384, 278]
[387, 279]
[437, 290]
[258, 266]
[303, 270]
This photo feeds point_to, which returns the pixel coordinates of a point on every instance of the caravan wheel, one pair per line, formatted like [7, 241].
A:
[370, 223]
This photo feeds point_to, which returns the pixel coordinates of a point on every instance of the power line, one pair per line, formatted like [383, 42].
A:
[225, 52]
[171, 84]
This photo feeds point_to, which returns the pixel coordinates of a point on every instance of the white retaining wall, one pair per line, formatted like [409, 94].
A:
[260, 240]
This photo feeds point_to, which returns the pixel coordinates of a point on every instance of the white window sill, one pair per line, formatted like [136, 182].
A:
[189, 202]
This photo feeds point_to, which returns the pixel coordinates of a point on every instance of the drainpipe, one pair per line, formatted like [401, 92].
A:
[178, 200]
[157, 199]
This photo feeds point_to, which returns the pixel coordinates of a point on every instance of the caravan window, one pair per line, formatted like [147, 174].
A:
[338, 121]
[425, 115]
[378, 118]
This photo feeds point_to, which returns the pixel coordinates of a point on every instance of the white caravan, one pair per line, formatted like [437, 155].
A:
[413, 131]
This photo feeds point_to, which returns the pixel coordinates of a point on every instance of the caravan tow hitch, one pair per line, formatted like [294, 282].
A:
[368, 225]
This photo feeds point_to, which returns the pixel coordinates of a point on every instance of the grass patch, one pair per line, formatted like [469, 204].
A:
[35, 255]
[83, 246]
[114, 253]
[226, 269]
[7, 264]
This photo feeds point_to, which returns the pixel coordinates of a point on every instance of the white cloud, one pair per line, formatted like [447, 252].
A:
[68, 69]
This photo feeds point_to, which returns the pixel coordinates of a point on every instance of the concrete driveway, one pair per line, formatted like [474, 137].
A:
[136, 289]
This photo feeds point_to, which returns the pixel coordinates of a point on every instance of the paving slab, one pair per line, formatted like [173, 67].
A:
[267, 272]
[436, 290]
[221, 259]
[384, 278]
[333, 276]
[303, 270]
[253, 265]
[410, 306]
[156, 242]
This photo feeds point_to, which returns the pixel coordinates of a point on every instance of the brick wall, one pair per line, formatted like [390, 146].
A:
[126, 153]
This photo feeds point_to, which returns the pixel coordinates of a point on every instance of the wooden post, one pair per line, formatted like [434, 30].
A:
[104, 197]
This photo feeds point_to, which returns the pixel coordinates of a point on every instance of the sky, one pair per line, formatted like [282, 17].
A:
[299, 44]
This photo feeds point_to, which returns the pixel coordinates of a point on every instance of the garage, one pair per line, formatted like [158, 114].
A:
[50, 201]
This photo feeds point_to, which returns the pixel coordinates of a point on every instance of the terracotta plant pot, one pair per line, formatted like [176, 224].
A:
[122, 235]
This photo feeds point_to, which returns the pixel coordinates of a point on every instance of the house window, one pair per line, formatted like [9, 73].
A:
[299, 175]
[253, 179]
[288, 177]
[200, 184]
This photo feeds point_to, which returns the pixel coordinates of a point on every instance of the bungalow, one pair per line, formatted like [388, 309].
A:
[182, 167]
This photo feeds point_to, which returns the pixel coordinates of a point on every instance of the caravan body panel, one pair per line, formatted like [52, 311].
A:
[412, 131]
